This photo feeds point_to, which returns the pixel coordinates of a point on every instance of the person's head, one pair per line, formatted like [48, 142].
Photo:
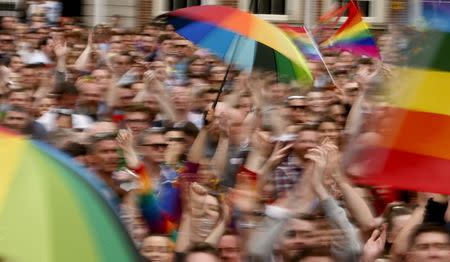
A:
[181, 47]
[125, 96]
[317, 101]
[316, 254]
[429, 243]
[20, 98]
[90, 93]
[202, 252]
[328, 128]
[198, 68]
[230, 247]
[176, 138]
[297, 109]
[165, 44]
[67, 96]
[149, 43]
[28, 77]
[46, 45]
[308, 138]
[157, 248]
[7, 42]
[17, 119]
[103, 153]
[121, 63]
[296, 237]
[102, 77]
[397, 219]
[338, 112]
[217, 74]
[9, 22]
[137, 118]
[45, 104]
[16, 63]
[181, 98]
[351, 90]
[277, 93]
[77, 151]
[245, 104]
[153, 144]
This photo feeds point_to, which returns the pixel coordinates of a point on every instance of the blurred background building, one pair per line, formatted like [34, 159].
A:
[138, 12]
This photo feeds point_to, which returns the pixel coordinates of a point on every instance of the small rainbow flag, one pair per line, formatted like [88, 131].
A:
[302, 39]
[354, 35]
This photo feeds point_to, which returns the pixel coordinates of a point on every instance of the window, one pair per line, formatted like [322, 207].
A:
[374, 11]
[270, 7]
[177, 4]
[365, 6]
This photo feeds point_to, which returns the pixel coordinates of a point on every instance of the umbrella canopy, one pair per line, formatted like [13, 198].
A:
[242, 39]
[50, 209]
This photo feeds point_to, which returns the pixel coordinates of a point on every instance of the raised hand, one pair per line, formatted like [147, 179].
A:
[61, 49]
[152, 82]
[279, 153]
[125, 139]
[374, 247]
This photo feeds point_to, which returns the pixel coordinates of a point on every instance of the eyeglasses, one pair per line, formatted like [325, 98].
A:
[176, 139]
[103, 136]
[297, 107]
[156, 146]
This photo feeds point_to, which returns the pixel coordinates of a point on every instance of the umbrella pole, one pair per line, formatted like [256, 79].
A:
[224, 81]
[226, 73]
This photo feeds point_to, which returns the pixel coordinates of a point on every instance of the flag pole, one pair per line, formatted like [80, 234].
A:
[320, 54]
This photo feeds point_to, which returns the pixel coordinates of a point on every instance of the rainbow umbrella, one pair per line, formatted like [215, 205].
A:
[242, 39]
[50, 209]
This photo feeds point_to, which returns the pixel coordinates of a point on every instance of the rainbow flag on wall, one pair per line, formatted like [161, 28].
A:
[303, 40]
[413, 151]
[354, 35]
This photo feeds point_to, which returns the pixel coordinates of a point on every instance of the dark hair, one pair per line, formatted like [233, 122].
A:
[163, 38]
[189, 129]
[137, 108]
[308, 128]
[150, 131]
[327, 119]
[427, 228]
[74, 149]
[202, 248]
[66, 88]
[43, 42]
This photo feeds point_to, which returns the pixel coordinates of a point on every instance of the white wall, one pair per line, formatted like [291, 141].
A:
[125, 8]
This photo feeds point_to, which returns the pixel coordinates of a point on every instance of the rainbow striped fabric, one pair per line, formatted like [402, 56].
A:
[413, 149]
[303, 41]
[354, 35]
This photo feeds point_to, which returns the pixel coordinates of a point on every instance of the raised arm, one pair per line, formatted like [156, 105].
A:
[125, 141]
[354, 202]
[400, 245]
[349, 247]
[83, 60]
[220, 157]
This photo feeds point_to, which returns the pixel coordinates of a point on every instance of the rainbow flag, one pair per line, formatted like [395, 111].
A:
[413, 149]
[302, 39]
[353, 35]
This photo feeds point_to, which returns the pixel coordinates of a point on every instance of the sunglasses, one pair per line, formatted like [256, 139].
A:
[155, 146]
[297, 107]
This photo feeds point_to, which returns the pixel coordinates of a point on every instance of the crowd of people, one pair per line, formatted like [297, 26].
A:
[260, 177]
